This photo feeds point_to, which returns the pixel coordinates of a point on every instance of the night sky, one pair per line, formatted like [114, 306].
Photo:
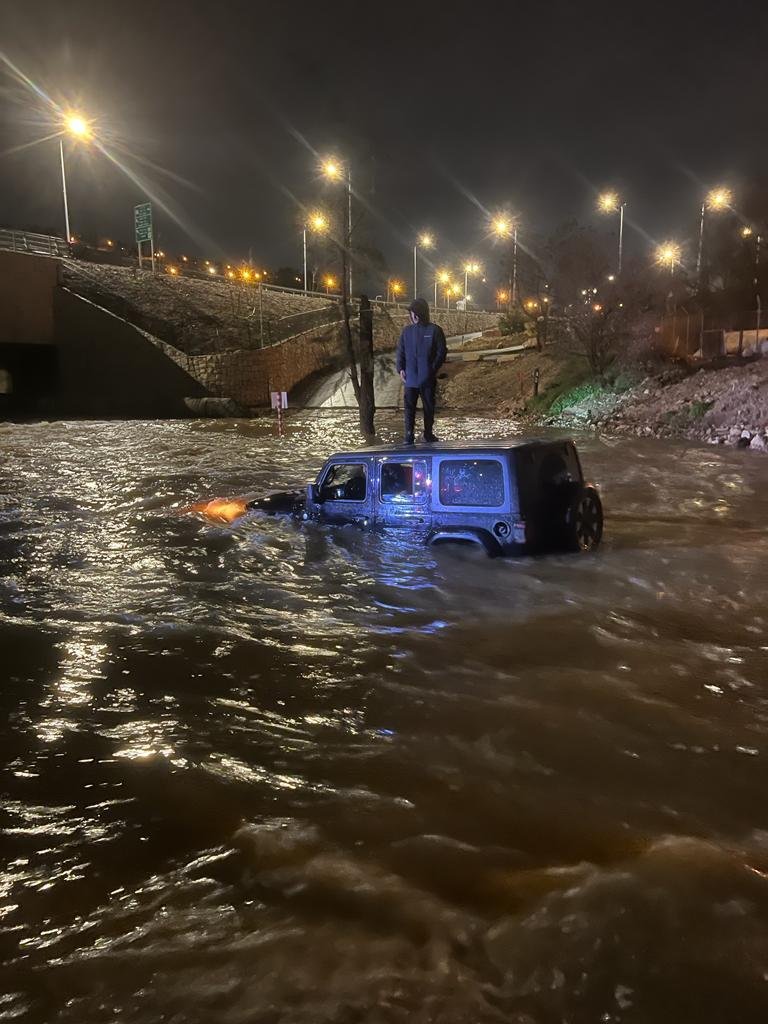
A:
[446, 110]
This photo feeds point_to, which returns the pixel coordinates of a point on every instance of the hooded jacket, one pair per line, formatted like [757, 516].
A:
[421, 351]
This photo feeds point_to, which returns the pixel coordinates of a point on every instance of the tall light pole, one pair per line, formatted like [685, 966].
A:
[334, 171]
[717, 199]
[316, 222]
[746, 232]
[505, 227]
[79, 128]
[451, 289]
[394, 288]
[444, 278]
[425, 241]
[668, 255]
[469, 268]
[611, 202]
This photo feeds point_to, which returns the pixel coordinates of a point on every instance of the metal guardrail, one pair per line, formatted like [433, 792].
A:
[28, 241]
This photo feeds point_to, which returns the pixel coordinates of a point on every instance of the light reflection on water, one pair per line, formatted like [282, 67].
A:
[268, 771]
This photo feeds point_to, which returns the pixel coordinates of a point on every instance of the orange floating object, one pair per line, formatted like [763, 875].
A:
[221, 510]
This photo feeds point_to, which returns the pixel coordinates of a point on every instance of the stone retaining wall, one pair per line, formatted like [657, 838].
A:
[247, 376]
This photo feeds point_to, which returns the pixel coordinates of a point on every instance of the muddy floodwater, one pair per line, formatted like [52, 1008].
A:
[274, 773]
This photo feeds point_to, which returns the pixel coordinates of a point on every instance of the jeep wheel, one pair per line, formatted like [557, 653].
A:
[584, 520]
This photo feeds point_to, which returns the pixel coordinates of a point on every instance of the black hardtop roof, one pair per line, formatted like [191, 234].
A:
[440, 447]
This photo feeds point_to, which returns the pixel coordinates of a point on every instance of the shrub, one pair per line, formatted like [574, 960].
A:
[512, 322]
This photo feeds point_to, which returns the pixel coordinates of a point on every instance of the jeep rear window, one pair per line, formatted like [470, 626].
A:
[476, 482]
[403, 481]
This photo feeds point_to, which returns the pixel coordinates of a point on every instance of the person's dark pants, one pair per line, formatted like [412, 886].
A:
[410, 397]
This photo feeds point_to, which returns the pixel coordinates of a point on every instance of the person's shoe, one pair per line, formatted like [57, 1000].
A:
[408, 439]
[431, 439]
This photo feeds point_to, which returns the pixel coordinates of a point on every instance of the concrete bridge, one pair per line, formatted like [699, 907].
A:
[62, 354]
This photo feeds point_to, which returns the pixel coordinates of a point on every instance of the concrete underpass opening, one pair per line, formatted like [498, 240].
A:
[28, 376]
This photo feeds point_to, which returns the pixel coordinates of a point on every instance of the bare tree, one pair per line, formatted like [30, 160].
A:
[597, 332]
[604, 325]
[360, 356]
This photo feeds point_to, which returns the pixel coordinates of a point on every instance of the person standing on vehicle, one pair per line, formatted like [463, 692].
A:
[421, 352]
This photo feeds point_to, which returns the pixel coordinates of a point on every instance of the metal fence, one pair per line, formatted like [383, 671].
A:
[696, 336]
[39, 245]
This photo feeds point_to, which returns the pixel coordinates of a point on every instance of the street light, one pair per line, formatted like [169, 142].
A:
[334, 171]
[317, 222]
[748, 232]
[444, 278]
[668, 254]
[610, 202]
[501, 296]
[469, 268]
[450, 289]
[79, 128]
[394, 288]
[716, 199]
[426, 241]
[505, 227]
[329, 282]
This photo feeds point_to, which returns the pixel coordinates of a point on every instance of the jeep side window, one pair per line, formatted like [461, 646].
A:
[475, 482]
[345, 481]
[403, 481]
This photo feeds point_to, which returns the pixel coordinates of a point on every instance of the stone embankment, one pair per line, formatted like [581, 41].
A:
[201, 317]
[193, 315]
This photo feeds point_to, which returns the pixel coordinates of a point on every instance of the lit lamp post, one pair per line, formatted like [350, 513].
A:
[79, 128]
[425, 241]
[334, 171]
[329, 282]
[747, 232]
[504, 227]
[668, 255]
[317, 222]
[469, 268]
[394, 288]
[610, 202]
[443, 278]
[717, 199]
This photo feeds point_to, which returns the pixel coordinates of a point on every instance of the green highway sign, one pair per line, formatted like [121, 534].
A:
[142, 219]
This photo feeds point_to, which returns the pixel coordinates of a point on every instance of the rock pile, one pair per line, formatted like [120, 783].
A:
[726, 406]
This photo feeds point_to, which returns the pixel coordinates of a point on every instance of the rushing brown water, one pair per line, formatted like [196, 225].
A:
[270, 773]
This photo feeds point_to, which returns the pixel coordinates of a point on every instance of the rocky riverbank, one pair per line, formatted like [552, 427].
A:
[723, 406]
